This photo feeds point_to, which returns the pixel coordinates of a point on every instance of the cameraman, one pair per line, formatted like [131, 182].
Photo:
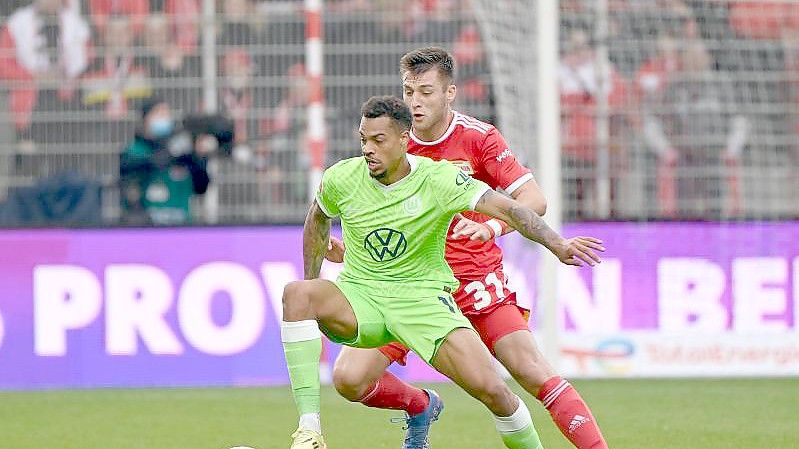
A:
[162, 169]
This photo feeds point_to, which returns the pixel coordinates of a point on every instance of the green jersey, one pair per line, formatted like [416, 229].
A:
[395, 234]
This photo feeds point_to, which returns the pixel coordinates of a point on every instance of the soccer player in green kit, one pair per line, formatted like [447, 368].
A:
[395, 210]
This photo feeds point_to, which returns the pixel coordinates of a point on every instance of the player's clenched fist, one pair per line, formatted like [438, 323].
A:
[578, 251]
[335, 250]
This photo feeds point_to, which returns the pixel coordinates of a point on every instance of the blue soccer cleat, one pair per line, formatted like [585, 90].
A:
[418, 427]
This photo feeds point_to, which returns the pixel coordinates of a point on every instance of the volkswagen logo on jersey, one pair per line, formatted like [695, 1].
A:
[385, 244]
[463, 178]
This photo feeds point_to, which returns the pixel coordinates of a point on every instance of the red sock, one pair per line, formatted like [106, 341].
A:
[391, 393]
[571, 414]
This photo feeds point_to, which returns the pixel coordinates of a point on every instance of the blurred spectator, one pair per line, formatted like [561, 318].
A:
[184, 21]
[158, 175]
[651, 82]
[392, 19]
[677, 18]
[283, 28]
[117, 77]
[692, 123]
[241, 25]
[474, 86]
[285, 159]
[754, 56]
[763, 19]
[238, 99]
[176, 75]
[579, 90]
[432, 21]
[44, 48]
[101, 11]
[348, 6]
[428, 21]
[168, 57]
[791, 47]
[634, 23]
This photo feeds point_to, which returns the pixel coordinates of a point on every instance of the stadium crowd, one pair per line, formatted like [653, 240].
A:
[697, 93]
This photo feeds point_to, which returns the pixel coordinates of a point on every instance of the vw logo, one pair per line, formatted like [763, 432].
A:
[463, 178]
[385, 244]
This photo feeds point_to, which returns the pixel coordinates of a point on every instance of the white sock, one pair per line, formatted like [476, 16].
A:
[296, 331]
[517, 421]
[311, 421]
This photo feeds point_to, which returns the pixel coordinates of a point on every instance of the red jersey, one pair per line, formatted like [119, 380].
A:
[480, 150]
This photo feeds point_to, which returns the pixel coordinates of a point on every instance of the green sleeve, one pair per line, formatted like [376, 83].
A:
[327, 197]
[456, 190]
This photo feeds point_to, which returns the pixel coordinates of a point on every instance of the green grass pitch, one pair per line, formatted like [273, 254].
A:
[634, 414]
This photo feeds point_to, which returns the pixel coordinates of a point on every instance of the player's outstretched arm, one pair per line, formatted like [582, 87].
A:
[574, 251]
[315, 236]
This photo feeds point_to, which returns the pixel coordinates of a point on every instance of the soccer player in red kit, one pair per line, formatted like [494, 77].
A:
[478, 148]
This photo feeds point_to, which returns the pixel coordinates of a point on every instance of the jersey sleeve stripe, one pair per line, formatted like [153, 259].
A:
[324, 209]
[470, 121]
[466, 124]
[470, 126]
[518, 183]
[477, 196]
[476, 122]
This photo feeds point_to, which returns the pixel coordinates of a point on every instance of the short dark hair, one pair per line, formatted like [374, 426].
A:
[150, 104]
[423, 59]
[388, 106]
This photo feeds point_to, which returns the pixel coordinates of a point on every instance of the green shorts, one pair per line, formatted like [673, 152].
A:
[420, 321]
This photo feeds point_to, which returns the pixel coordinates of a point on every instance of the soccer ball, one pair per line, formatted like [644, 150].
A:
[242, 447]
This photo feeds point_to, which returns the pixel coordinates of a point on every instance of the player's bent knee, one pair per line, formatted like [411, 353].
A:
[349, 383]
[292, 292]
[296, 302]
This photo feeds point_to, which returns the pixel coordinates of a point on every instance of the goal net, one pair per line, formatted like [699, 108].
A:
[508, 30]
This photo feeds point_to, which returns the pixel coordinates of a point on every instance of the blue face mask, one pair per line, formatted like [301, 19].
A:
[161, 127]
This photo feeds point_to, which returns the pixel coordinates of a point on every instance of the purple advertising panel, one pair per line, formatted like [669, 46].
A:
[675, 299]
[674, 277]
[143, 307]
[164, 307]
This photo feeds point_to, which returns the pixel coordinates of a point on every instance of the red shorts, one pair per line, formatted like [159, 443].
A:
[476, 296]
[491, 323]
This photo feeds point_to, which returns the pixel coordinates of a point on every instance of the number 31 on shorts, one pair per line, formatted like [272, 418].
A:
[482, 295]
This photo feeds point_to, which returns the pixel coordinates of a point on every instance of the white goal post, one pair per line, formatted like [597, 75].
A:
[521, 37]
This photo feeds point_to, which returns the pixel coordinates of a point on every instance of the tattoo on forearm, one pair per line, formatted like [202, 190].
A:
[524, 220]
[531, 225]
[316, 234]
